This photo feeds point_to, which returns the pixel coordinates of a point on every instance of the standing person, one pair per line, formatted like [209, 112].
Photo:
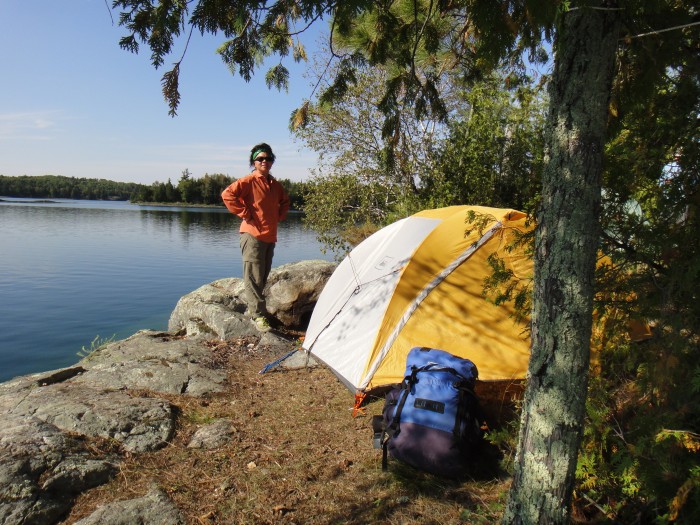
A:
[261, 202]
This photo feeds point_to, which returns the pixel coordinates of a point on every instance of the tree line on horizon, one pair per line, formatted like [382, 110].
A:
[188, 190]
[206, 190]
[61, 187]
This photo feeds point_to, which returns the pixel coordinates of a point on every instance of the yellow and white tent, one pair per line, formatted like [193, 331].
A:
[419, 282]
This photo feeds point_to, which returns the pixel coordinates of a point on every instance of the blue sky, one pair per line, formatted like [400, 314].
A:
[73, 103]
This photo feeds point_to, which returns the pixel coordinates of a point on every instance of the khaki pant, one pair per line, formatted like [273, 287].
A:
[257, 263]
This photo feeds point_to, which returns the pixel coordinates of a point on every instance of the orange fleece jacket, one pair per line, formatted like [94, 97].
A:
[260, 202]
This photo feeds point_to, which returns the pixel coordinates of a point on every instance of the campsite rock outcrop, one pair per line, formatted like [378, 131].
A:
[216, 309]
[116, 399]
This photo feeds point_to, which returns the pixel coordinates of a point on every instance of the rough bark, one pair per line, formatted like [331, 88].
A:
[566, 242]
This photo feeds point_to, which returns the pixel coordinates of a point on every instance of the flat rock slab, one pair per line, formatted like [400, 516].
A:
[213, 435]
[112, 394]
[155, 508]
[42, 468]
[139, 424]
[155, 361]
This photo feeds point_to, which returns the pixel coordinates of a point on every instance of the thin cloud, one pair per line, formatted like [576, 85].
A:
[29, 125]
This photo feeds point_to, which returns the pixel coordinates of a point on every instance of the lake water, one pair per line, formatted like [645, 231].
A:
[74, 270]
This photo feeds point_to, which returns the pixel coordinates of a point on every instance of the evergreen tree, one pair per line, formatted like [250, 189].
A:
[493, 153]
[171, 193]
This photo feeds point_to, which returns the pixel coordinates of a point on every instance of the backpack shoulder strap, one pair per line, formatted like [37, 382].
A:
[394, 427]
[408, 381]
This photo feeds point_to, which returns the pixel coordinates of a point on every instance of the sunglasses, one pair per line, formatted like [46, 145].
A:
[264, 159]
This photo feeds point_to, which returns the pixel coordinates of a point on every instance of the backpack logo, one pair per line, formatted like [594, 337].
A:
[427, 404]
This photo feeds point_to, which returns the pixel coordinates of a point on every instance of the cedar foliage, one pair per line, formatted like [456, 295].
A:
[640, 458]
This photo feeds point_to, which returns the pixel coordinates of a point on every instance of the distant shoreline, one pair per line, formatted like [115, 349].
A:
[30, 201]
[178, 204]
[153, 204]
[40, 200]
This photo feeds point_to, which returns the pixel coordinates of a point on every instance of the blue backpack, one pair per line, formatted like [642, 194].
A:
[432, 420]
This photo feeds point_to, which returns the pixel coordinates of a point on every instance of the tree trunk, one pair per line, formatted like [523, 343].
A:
[566, 242]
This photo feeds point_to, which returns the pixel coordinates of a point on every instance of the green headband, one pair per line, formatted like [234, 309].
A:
[258, 152]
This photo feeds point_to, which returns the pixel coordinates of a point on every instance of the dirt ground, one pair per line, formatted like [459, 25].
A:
[298, 456]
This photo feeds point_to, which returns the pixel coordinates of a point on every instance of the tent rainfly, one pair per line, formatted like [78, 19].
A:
[419, 282]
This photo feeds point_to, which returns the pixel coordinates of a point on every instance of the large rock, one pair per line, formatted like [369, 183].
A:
[76, 406]
[217, 309]
[42, 468]
[293, 289]
[214, 310]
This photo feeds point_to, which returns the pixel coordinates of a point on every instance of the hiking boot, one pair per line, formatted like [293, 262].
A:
[262, 324]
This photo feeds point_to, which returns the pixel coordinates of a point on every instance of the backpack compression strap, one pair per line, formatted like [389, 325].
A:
[393, 428]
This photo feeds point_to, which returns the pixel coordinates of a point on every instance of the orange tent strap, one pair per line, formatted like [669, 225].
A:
[358, 409]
